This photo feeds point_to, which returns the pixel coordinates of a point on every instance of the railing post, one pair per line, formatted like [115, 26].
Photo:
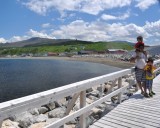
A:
[82, 104]
[101, 90]
[1, 121]
[119, 86]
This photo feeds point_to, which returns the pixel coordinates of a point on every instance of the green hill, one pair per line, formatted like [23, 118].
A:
[42, 45]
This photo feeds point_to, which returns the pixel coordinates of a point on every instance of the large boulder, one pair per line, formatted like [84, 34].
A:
[57, 113]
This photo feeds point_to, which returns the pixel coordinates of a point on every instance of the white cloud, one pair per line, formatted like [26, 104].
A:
[17, 38]
[46, 25]
[100, 31]
[91, 7]
[33, 33]
[96, 6]
[108, 17]
[153, 26]
[2, 40]
[43, 6]
[154, 29]
[111, 17]
[145, 4]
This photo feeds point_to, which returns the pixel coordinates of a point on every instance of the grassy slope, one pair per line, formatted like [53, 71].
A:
[69, 47]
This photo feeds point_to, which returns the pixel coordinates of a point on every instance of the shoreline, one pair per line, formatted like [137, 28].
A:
[105, 61]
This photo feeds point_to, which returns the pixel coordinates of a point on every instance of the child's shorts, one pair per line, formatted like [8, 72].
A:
[149, 84]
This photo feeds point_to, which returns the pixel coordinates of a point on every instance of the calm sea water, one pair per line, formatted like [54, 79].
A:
[22, 77]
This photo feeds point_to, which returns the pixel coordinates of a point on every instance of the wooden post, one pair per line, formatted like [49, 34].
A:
[83, 104]
[71, 103]
[1, 121]
[101, 90]
[119, 86]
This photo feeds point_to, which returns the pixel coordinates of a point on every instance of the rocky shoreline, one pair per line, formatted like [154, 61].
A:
[111, 60]
[46, 114]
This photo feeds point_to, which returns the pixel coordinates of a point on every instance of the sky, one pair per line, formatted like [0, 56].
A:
[89, 20]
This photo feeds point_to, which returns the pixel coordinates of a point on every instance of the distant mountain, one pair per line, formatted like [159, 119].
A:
[37, 41]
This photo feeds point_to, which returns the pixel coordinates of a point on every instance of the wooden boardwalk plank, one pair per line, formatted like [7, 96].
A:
[108, 123]
[141, 119]
[102, 125]
[128, 122]
[136, 112]
[119, 122]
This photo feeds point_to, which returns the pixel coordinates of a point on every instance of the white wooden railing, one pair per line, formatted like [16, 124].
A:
[13, 107]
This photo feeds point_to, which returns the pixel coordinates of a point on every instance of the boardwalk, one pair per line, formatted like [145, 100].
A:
[137, 112]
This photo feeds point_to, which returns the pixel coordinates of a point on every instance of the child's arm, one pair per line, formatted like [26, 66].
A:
[154, 68]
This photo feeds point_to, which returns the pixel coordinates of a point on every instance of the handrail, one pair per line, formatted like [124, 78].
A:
[19, 105]
[22, 104]
[66, 119]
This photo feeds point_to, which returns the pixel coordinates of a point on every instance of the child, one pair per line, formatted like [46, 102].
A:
[139, 42]
[149, 68]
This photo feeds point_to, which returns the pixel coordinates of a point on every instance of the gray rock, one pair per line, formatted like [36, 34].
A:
[34, 111]
[25, 123]
[51, 105]
[61, 102]
[20, 116]
[96, 113]
[73, 121]
[57, 113]
[51, 120]
[95, 93]
[42, 110]
[89, 90]
[25, 119]
[93, 98]
[40, 118]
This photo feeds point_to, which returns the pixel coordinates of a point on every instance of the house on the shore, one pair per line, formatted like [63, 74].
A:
[116, 51]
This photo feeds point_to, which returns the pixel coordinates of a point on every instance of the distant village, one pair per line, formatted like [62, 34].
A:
[81, 53]
[113, 54]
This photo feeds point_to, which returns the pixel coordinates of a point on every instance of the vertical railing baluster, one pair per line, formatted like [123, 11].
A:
[1, 121]
[119, 86]
[83, 104]
[101, 90]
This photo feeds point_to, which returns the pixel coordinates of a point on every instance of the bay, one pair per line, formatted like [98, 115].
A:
[22, 77]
